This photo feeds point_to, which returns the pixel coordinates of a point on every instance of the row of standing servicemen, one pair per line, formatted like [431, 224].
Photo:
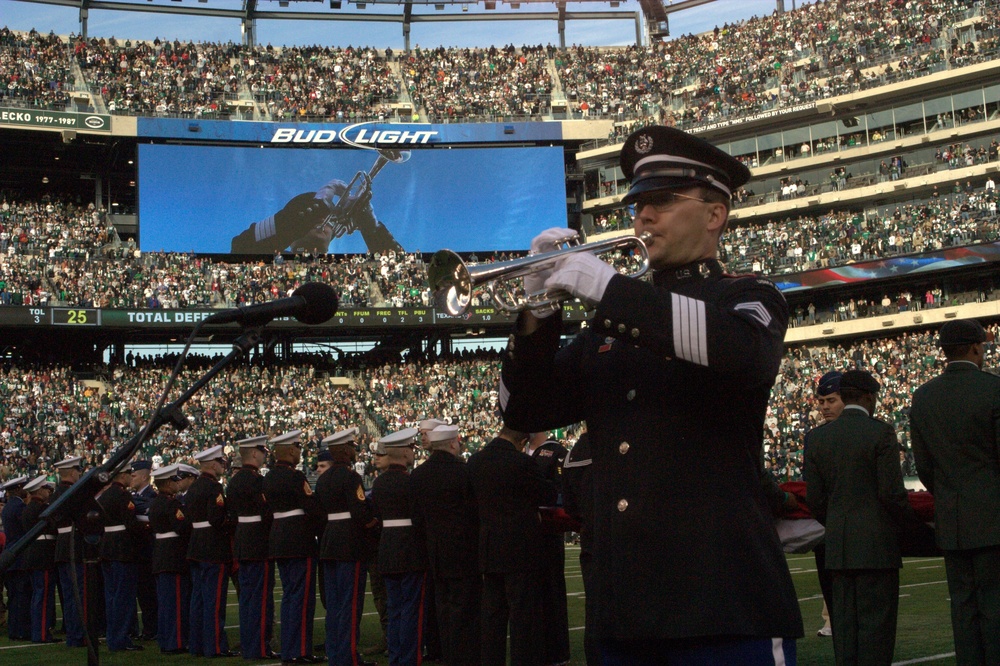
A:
[424, 531]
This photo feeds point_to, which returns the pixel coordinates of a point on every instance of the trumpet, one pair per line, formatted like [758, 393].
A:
[452, 281]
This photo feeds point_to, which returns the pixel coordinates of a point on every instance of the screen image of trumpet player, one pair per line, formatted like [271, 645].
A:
[345, 200]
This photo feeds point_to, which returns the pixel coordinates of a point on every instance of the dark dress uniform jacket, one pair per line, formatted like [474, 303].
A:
[40, 555]
[444, 510]
[207, 503]
[64, 536]
[509, 488]
[955, 425]
[245, 498]
[400, 549]
[295, 536]
[166, 516]
[119, 545]
[855, 488]
[340, 491]
[673, 380]
[13, 528]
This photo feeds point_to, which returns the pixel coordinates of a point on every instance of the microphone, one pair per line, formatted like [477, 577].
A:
[312, 303]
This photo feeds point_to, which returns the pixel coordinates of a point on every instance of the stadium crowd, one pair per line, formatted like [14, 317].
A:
[46, 413]
[780, 60]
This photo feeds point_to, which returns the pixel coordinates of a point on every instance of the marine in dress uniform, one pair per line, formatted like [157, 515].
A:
[855, 489]
[251, 515]
[444, 510]
[39, 560]
[343, 547]
[69, 556]
[433, 650]
[292, 545]
[209, 556]
[550, 456]
[578, 500]
[142, 495]
[118, 560]
[509, 488]
[402, 558]
[380, 462]
[953, 423]
[16, 578]
[171, 530]
[673, 378]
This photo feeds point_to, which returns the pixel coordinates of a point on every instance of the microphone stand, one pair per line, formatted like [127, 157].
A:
[75, 497]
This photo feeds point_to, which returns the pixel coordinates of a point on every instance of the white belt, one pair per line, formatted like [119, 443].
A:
[47, 537]
[201, 524]
[338, 516]
[249, 519]
[142, 519]
[114, 528]
[289, 514]
[402, 522]
[167, 535]
[64, 530]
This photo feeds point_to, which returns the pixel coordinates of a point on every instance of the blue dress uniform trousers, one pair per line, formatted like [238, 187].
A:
[298, 606]
[119, 601]
[209, 587]
[344, 585]
[405, 607]
[746, 652]
[73, 616]
[43, 604]
[256, 607]
[18, 604]
[173, 596]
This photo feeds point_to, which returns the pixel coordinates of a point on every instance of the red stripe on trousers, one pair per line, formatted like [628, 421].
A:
[218, 601]
[45, 607]
[177, 618]
[420, 622]
[263, 615]
[305, 608]
[354, 615]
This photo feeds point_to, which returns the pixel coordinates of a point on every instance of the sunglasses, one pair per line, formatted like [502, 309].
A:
[660, 201]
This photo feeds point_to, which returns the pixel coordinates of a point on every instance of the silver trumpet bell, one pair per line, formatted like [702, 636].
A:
[452, 281]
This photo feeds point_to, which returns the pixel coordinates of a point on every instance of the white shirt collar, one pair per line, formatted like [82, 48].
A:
[867, 413]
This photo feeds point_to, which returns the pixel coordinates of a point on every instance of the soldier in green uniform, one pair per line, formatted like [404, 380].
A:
[855, 488]
[954, 422]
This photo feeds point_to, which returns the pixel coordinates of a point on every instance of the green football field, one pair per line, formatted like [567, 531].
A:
[924, 635]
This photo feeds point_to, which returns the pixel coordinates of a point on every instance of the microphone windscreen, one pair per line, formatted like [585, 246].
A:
[321, 302]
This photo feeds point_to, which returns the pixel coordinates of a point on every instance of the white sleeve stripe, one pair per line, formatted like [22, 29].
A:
[504, 396]
[264, 229]
[690, 339]
[702, 334]
[678, 328]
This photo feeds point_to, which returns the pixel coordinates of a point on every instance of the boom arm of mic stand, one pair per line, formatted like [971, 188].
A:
[94, 479]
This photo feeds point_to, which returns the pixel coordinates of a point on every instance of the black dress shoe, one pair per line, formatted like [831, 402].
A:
[227, 653]
[177, 651]
[133, 648]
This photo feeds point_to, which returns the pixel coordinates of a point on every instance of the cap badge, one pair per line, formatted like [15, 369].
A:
[643, 144]
[704, 270]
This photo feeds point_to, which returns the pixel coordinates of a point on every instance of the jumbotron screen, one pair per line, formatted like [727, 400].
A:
[202, 198]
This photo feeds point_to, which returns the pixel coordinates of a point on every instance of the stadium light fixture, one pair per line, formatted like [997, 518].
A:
[362, 5]
[335, 4]
[515, 5]
[440, 8]
[490, 5]
[465, 8]
[283, 3]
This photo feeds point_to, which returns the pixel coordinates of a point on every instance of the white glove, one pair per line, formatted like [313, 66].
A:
[547, 241]
[583, 275]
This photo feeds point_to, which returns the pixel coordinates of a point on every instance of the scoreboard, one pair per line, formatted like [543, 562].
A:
[342, 320]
